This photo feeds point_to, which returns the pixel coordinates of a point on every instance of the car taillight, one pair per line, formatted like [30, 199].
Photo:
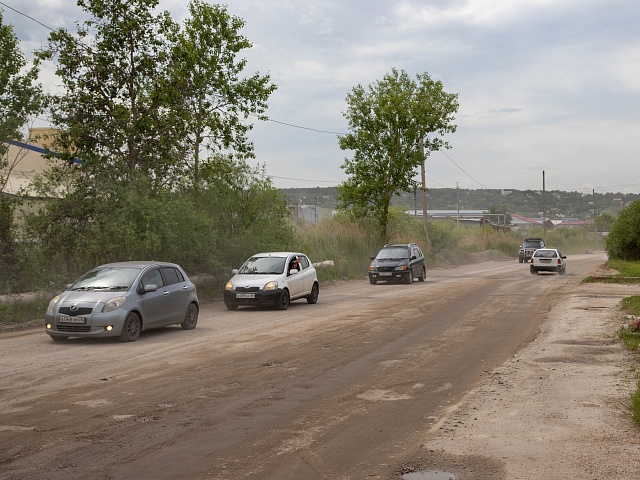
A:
[559, 262]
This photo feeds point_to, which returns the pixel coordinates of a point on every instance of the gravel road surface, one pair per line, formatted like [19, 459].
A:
[481, 371]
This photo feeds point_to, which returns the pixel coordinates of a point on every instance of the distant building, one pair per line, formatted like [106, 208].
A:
[26, 160]
[576, 224]
[523, 224]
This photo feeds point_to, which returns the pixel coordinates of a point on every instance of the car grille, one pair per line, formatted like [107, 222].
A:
[247, 289]
[80, 311]
[386, 269]
[74, 328]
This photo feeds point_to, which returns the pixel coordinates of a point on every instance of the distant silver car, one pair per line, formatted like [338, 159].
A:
[272, 278]
[548, 260]
[123, 299]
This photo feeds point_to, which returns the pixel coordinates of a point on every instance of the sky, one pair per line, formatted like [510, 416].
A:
[547, 86]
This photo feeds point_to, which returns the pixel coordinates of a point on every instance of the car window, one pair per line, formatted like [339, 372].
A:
[152, 277]
[392, 253]
[263, 266]
[304, 262]
[170, 274]
[107, 278]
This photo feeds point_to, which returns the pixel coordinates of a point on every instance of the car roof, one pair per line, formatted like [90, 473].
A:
[276, 254]
[138, 264]
[543, 249]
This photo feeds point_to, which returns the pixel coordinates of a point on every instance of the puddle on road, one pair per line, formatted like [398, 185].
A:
[429, 475]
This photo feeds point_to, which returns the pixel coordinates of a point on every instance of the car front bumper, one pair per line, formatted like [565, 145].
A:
[388, 276]
[95, 325]
[271, 297]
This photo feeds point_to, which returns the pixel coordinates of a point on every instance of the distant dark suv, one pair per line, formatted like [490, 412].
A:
[529, 246]
[402, 262]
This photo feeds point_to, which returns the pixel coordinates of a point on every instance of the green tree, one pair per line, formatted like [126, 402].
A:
[216, 100]
[250, 214]
[20, 100]
[116, 112]
[388, 123]
[623, 241]
[605, 221]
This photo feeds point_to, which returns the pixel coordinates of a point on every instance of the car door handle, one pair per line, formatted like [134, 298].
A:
[165, 293]
[185, 288]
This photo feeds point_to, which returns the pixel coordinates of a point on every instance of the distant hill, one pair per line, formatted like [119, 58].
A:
[559, 204]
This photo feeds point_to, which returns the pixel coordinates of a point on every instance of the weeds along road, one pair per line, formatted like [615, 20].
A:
[348, 388]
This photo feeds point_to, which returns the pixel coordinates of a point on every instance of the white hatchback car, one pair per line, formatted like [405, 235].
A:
[548, 260]
[272, 278]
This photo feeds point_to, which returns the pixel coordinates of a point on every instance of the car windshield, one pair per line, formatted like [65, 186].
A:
[263, 266]
[107, 278]
[545, 254]
[531, 244]
[393, 253]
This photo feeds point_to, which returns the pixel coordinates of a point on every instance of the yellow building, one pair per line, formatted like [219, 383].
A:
[25, 161]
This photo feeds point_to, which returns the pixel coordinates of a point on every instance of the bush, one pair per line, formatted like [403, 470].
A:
[623, 241]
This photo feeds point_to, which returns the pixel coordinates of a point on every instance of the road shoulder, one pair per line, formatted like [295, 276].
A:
[554, 410]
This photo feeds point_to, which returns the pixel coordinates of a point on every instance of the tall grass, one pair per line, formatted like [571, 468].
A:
[350, 243]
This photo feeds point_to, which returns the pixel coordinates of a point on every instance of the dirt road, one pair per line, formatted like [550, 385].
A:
[368, 383]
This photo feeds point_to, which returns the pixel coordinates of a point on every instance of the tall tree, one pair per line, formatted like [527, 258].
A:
[20, 99]
[20, 96]
[216, 99]
[387, 123]
[116, 113]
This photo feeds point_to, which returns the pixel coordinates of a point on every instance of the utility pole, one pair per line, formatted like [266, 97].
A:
[458, 205]
[424, 191]
[544, 210]
[595, 217]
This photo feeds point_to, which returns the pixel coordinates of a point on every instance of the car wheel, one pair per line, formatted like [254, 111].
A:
[191, 317]
[520, 260]
[533, 271]
[58, 338]
[131, 328]
[372, 281]
[560, 270]
[231, 306]
[283, 301]
[409, 279]
[313, 296]
[424, 274]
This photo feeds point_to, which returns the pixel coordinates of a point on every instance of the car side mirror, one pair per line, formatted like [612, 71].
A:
[150, 288]
[234, 271]
[293, 270]
[372, 257]
[413, 257]
[564, 257]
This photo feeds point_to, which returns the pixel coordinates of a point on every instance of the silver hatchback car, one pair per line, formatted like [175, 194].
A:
[123, 299]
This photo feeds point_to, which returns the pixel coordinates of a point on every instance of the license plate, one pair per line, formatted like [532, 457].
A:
[545, 260]
[245, 295]
[69, 319]
[385, 274]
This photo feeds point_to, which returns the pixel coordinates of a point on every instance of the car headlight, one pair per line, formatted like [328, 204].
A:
[271, 286]
[373, 268]
[228, 286]
[52, 304]
[113, 304]
[401, 267]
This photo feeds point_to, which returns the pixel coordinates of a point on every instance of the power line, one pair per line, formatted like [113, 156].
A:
[273, 121]
[461, 169]
[29, 17]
